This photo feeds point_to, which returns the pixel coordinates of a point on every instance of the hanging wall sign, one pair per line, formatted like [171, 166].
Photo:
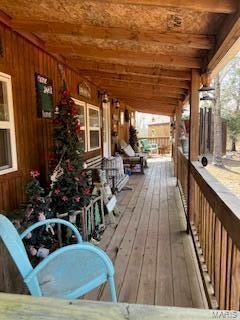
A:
[44, 90]
[84, 90]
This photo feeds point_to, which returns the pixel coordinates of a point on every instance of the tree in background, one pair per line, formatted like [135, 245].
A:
[133, 139]
[230, 96]
[233, 123]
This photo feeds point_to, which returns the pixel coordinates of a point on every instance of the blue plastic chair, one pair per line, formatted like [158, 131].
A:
[68, 272]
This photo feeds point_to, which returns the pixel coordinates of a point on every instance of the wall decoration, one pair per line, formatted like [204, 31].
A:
[84, 90]
[44, 91]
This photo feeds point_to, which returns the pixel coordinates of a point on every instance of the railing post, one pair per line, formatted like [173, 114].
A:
[177, 135]
[193, 138]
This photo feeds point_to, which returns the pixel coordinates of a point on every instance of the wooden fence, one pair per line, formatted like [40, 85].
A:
[215, 224]
[160, 141]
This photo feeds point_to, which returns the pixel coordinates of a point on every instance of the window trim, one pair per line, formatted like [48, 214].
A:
[90, 106]
[84, 105]
[9, 124]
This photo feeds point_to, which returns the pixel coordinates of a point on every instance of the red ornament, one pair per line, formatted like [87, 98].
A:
[70, 167]
[77, 199]
[65, 198]
[57, 191]
[86, 191]
[66, 93]
[35, 173]
[64, 102]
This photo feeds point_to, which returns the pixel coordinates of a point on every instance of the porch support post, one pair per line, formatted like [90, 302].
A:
[193, 139]
[194, 116]
[177, 135]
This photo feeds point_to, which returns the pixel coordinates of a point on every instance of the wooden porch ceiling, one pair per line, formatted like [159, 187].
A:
[132, 48]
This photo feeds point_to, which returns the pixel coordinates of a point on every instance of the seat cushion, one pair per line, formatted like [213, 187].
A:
[71, 271]
[128, 150]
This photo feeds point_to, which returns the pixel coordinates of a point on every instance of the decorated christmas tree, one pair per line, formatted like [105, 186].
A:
[133, 140]
[69, 187]
[69, 190]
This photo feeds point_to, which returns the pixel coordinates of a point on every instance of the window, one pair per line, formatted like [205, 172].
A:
[81, 114]
[122, 118]
[8, 155]
[94, 131]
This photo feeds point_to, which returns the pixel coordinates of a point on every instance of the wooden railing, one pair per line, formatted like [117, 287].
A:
[160, 141]
[26, 307]
[215, 225]
[182, 173]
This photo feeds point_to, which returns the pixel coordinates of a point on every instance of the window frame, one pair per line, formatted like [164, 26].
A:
[84, 128]
[122, 118]
[90, 106]
[9, 125]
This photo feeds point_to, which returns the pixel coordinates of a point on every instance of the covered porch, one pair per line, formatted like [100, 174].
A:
[176, 240]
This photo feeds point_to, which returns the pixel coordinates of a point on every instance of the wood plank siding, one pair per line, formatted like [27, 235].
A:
[21, 59]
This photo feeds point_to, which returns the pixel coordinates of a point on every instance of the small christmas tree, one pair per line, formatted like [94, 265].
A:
[41, 240]
[133, 140]
[69, 188]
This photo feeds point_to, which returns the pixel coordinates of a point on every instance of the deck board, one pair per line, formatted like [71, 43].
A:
[153, 256]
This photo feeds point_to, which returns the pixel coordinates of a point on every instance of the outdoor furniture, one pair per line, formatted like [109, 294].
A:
[132, 158]
[68, 272]
[163, 150]
[149, 147]
[113, 167]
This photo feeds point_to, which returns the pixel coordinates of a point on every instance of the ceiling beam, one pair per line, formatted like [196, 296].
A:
[162, 113]
[97, 76]
[115, 83]
[156, 101]
[145, 94]
[149, 105]
[73, 52]
[228, 43]
[152, 109]
[115, 33]
[215, 6]
[136, 93]
[85, 66]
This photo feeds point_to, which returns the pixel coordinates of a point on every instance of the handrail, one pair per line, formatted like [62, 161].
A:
[50, 309]
[215, 223]
[227, 206]
[222, 200]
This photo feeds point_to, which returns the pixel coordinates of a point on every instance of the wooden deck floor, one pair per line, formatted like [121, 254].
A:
[153, 256]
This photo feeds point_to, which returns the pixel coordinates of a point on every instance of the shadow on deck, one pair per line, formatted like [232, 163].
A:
[154, 258]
